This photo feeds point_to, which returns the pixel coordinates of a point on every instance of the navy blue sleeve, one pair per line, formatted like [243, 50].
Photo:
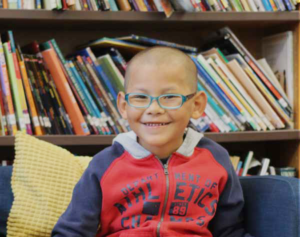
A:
[82, 217]
[228, 220]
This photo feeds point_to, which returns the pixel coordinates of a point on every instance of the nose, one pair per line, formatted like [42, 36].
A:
[154, 108]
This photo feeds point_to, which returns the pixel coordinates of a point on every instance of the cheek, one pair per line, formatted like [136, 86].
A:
[134, 115]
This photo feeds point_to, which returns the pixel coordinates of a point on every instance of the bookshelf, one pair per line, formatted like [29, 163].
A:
[72, 28]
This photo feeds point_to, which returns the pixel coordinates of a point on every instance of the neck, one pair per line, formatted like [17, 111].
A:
[164, 151]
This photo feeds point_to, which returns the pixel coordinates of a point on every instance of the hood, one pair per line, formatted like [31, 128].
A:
[129, 142]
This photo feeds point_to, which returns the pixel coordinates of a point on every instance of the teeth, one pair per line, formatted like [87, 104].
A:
[155, 124]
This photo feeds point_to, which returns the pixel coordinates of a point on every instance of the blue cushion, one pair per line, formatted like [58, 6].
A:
[6, 197]
[272, 206]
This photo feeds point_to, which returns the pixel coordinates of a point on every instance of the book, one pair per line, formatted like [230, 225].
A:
[239, 167]
[113, 5]
[14, 86]
[118, 60]
[41, 111]
[31, 104]
[264, 166]
[116, 77]
[141, 5]
[186, 6]
[278, 51]
[247, 163]
[147, 41]
[6, 94]
[235, 161]
[158, 5]
[3, 119]
[126, 48]
[272, 170]
[54, 121]
[2, 124]
[167, 7]
[80, 126]
[123, 5]
[276, 80]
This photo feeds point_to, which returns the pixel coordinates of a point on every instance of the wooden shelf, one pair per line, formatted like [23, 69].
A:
[91, 19]
[106, 140]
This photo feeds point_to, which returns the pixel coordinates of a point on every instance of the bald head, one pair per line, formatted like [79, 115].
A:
[160, 57]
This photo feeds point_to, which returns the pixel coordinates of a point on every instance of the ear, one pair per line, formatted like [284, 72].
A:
[121, 103]
[199, 105]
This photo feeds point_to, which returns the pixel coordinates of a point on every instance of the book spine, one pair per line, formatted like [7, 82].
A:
[40, 92]
[148, 6]
[20, 85]
[113, 6]
[36, 95]
[141, 5]
[59, 125]
[118, 60]
[32, 108]
[14, 84]
[6, 93]
[80, 126]
[112, 71]
[3, 118]
[124, 5]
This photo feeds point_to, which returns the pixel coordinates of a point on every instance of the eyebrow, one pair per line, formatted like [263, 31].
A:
[163, 91]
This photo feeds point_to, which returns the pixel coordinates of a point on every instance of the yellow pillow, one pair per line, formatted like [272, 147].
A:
[43, 179]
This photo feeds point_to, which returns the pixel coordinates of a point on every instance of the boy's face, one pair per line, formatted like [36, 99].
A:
[160, 130]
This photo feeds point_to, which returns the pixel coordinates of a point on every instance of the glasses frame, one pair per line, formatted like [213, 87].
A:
[152, 98]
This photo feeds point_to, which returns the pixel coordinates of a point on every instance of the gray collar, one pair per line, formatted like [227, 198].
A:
[129, 142]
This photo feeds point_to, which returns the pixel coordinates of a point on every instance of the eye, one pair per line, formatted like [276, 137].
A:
[169, 97]
[139, 97]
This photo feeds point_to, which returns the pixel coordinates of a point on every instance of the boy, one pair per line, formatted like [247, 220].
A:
[162, 178]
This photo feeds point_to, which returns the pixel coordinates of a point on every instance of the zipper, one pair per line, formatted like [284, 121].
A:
[166, 172]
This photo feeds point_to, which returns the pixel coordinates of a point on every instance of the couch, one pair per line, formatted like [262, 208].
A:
[272, 204]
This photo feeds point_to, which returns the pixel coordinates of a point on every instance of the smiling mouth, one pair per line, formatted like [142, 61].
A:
[155, 124]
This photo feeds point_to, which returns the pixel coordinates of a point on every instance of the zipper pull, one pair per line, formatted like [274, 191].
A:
[166, 169]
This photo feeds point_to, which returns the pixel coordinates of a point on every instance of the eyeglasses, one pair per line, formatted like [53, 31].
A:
[166, 101]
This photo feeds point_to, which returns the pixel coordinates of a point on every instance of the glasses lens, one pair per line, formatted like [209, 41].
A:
[139, 100]
[170, 101]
